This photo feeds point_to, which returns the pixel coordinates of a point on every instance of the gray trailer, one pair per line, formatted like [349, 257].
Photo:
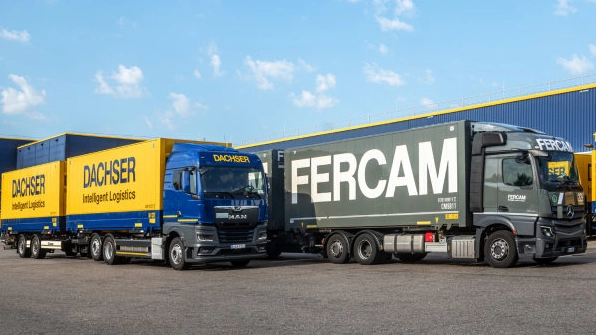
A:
[472, 190]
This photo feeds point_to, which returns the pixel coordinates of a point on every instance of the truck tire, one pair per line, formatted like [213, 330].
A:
[366, 249]
[411, 258]
[109, 250]
[36, 251]
[273, 249]
[500, 250]
[337, 249]
[22, 249]
[176, 255]
[95, 247]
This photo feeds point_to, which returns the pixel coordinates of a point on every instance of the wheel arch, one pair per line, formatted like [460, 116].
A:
[346, 235]
[487, 226]
[378, 237]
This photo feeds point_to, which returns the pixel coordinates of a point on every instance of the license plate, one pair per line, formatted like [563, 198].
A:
[237, 246]
[571, 249]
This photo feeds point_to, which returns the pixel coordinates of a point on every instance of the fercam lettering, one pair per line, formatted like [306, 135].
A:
[551, 144]
[349, 171]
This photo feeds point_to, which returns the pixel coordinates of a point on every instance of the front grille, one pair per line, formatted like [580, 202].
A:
[576, 242]
[235, 233]
[578, 212]
[566, 228]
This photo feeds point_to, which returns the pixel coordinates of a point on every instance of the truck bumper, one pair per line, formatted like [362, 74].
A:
[209, 253]
[553, 242]
[214, 245]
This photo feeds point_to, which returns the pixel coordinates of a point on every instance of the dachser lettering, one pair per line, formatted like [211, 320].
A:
[117, 171]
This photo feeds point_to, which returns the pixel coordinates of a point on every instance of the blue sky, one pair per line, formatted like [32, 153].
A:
[246, 71]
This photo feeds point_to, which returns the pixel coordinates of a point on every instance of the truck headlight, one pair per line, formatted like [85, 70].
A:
[262, 236]
[205, 237]
[547, 231]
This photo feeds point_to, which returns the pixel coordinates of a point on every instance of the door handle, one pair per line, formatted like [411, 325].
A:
[503, 209]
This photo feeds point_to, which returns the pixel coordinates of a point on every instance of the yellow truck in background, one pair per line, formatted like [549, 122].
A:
[585, 164]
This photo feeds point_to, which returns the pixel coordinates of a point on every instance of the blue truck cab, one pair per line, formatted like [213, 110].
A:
[214, 206]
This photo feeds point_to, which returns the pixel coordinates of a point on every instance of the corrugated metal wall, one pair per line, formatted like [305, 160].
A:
[571, 115]
[64, 146]
[8, 152]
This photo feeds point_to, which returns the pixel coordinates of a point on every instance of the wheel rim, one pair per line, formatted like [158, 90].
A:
[22, 245]
[364, 249]
[337, 249]
[499, 249]
[176, 254]
[35, 245]
[95, 247]
[109, 250]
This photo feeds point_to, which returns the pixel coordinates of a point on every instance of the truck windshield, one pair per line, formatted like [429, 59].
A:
[557, 168]
[232, 182]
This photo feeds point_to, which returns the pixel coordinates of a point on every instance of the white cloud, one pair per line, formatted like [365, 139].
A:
[593, 49]
[126, 83]
[325, 82]
[14, 35]
[181, 107]
[395, 24]
[215, 60]
[375, 74]
[394, 21]
[403, 6]
[216, 64]
[264, 72]
[167, 119]
[428, 103]
[103, 88]
[564, 8]
[319, 99]
[576, 65]
[197, 74]
[124, 23]
[180, 104]
[128, 76]
[307, 67]
[17, 102]
[383, 49]
[308, 99]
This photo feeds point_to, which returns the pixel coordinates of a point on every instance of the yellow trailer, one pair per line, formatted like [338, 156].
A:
[33, 201]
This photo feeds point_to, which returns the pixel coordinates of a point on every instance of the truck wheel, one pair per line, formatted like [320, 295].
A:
[36, 251]
[500, 250]
[22, 249]
[109, 251]
[95, 247]
[240, 263]
[338, 249]
[273, 249]
[411, 258]
[176, 255]
[366, 249]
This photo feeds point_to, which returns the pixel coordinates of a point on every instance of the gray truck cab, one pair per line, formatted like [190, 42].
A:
[531, 188]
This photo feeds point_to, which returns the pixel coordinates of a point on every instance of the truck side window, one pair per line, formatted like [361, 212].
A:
[192, 181]
[177, 180]
[517, 172]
